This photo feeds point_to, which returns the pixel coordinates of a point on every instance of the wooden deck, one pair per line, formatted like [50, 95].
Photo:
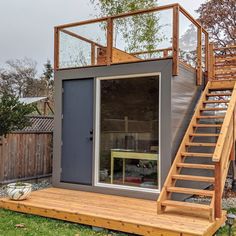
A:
[116, 213]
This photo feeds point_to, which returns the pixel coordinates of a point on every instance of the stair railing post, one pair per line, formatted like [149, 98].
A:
[211, 71]
[56, 48]
[207, 55]
[218, 190]
[232, 154]
[175, 43]
[109, 40]
[199, 56]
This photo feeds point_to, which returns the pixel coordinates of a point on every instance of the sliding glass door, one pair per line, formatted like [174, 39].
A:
[128, 132]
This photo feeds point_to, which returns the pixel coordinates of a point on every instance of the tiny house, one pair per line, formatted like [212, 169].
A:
[145, 110]
[122, 112]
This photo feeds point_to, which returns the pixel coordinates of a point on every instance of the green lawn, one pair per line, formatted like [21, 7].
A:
[224, 230]
[18, 224]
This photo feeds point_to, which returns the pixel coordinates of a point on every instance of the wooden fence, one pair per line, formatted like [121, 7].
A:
[25, 156]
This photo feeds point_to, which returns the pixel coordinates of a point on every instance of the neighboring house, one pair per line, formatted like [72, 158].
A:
[42, 105]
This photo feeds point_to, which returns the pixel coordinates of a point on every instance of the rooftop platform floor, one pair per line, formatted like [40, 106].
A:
[113, 212]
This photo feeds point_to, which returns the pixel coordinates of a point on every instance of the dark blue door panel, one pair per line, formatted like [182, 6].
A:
[77, 128]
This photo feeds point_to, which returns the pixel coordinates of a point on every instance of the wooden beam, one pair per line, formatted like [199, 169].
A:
[122, 15]
[207, 54]
[164, 50]
[211, 62]
[72, 34]
[109, 40]
[218, 191]
[199, 56]
[93, 55]
[175, 69]
[56, 48]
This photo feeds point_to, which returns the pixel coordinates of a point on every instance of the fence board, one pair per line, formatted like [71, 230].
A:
[25, 155]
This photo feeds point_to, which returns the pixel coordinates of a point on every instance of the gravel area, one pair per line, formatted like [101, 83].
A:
[227, 203]
[35, 186]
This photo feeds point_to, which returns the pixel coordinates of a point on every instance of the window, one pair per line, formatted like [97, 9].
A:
[128, 131]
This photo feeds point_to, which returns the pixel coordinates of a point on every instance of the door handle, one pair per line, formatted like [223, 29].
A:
[91, 135]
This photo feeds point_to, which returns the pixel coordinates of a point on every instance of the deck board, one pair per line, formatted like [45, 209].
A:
[113, 212]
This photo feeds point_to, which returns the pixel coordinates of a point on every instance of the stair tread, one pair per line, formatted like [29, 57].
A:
[196, 166]
[196, 154]
[216, 101]
[186, 205]
[204, 135]
[207, 125]
[200, 144]
[218, 94]
[194, 178]
[210, 117]
[213, 109]
[191, 191]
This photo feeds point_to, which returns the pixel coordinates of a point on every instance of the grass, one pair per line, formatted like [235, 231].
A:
[18, 224]
[224, 230]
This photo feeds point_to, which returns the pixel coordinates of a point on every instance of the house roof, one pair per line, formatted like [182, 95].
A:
[29, 100]
[40, 124]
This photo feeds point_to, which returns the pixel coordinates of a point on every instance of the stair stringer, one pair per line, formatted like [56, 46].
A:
[178, 158]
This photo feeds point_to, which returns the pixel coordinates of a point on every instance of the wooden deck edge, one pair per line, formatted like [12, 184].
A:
[218, 223]
[93, 220]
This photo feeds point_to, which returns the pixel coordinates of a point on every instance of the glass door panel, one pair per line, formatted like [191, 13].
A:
[129, 132]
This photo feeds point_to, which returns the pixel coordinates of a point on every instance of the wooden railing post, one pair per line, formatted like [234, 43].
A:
[175, 43]
[56, 48]
[109, 40]
[211, 65]
[232, 154]
[218, 190]
[93, 46]
[207, 55]
[199, 56]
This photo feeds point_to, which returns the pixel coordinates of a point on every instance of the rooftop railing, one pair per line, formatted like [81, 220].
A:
[153, 34]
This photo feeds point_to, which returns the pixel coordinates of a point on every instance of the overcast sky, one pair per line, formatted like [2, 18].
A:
[26, 28]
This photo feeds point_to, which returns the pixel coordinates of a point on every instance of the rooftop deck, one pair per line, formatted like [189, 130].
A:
[112, 212]
[172, 33]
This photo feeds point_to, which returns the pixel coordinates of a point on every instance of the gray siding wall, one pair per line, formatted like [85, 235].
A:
[184, 96]
[178, 99]
[162, 66]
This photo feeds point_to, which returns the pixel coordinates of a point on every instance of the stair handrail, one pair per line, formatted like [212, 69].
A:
[225, 127]
[225, 147]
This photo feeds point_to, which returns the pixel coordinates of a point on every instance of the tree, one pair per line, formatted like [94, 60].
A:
[139, 32]
[19, 78]
[188, 45]
[16, 75]
[13, 114]
[219, 19]
[47, 79]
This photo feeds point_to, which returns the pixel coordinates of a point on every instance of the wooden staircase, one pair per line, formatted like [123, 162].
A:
[205, 152]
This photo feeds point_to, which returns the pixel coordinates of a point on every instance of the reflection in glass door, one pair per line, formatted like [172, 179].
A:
[129, 132]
